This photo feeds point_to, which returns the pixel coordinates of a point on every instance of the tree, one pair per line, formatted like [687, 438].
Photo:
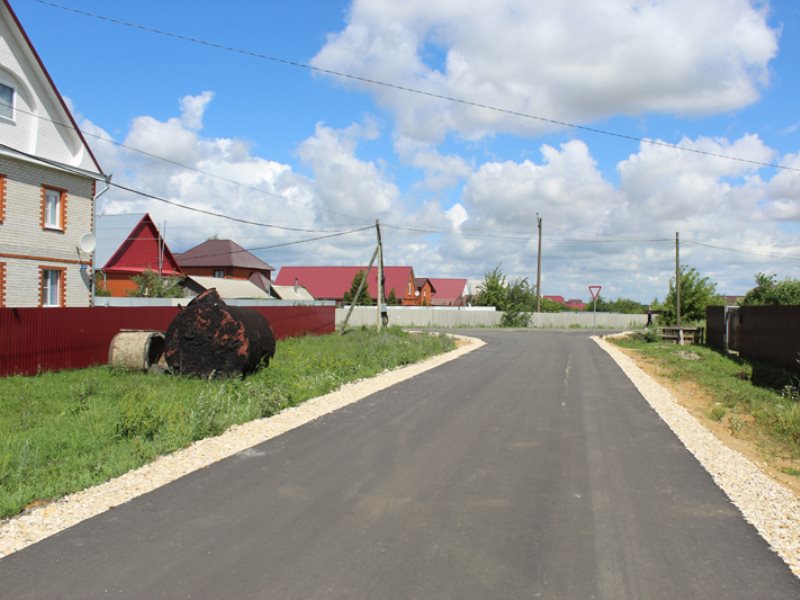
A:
[492, 292]
[769, 291]
[697, 292]
[392, 299]
[623, 306]
[151, 285]
[364, 298]
[551, 306]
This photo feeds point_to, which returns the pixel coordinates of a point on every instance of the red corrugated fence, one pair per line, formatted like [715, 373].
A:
[51, 339]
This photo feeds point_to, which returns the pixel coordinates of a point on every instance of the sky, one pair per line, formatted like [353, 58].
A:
[224, 127]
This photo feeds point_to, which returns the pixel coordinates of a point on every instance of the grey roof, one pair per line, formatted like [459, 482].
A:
[230, 288]
[111, 231]
[291, 292]
[221, 253]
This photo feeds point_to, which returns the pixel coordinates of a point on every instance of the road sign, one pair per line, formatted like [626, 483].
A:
[594, 290]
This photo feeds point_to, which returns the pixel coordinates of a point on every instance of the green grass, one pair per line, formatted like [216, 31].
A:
[62, 432]
[738, 388]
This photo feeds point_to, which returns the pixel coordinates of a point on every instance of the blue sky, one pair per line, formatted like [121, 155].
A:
[720, 77]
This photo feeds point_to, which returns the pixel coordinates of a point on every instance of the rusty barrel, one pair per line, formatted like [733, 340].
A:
[208, 338]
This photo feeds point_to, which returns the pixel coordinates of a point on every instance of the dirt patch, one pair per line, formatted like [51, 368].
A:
[735, 430]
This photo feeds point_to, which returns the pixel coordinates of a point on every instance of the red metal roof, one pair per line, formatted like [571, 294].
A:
[221, 253]
[559, 299]
[448, 292]
[140, 252]
[331, 283]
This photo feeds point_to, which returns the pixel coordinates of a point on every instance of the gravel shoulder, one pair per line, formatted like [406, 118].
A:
[41, 522]
[774, 510]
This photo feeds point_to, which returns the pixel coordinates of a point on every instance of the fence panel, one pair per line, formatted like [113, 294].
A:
[466, 317]
[715, 326]
[47, 339]
[770, 334]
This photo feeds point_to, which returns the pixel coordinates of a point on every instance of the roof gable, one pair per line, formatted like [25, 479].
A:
[42, 125]
[221, 253]
[142, 249]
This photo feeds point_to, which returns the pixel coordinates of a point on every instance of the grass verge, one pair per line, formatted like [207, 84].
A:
[750, 400]
[63, 432]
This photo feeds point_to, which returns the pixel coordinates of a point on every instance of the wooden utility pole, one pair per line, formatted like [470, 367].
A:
[539, 266]
[677, 280]
[380, 275]
[358, 292]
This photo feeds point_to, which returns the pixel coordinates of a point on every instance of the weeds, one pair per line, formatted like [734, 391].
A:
[61, 432]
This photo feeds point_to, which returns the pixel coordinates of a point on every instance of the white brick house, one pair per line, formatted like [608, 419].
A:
[48, 181]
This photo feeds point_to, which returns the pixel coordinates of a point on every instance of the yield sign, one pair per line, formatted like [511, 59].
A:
[594, 290]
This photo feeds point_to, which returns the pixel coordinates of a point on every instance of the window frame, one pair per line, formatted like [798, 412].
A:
[45, 301]
[13, 88]
[61, 209]
[219, 273]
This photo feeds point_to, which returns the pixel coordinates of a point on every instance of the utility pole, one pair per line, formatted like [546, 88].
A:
[380, 275]
[677, 280]
[539, 267]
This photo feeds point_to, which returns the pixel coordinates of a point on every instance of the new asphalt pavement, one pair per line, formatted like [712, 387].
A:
[530, 468]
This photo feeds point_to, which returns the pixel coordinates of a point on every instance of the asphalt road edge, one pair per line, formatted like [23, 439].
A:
[766, 504]
[33, 526]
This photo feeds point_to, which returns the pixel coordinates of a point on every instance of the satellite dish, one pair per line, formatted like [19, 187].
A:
[87, 243]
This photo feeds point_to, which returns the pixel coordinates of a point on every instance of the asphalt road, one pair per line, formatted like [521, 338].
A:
[531, 468]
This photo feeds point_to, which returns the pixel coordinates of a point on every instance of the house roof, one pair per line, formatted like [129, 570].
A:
[290, 292]
[132, 244]
[331, 283]
[448, 288]
[230, 288]
[419, 282]
[559, 299]
[59, 100]
[261, 280]
[221, 253]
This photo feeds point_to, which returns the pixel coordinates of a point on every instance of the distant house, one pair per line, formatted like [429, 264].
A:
[225, 259]
[557, 299]
[48, 178]
[449, 292]
[226, 288]
[129, 245]
[575, 304]
[331, 283]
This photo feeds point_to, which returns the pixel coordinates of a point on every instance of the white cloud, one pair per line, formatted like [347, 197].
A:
[572, 61]
[193, 108]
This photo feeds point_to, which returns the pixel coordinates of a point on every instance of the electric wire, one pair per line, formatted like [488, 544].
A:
[403, 88]
[175, 162]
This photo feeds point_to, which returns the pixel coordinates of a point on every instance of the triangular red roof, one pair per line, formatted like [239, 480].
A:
[140, 252]
[331, 283]
[221, 253]
[448, 289]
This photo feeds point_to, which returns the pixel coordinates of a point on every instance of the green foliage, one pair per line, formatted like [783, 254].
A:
[99, 288]
[623, 306]
[364, 298]
[150, 285]
[697, 292]
[770, 291]
[62, 432]
[392, 299]
[493, 290]
[551, 306]
[737, 387]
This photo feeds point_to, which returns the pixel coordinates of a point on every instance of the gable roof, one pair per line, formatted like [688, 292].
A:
[221, 253]
[448, 288]
[419, 283]
[125, 249]
[331, 283]
[23, 42]
[230, 288]
[290, 292]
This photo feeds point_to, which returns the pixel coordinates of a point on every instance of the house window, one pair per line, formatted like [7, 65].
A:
[52, 287]
[219, 273]
[53, 209]
[6, 101]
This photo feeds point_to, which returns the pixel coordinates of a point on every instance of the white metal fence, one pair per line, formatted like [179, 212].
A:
[414, 316]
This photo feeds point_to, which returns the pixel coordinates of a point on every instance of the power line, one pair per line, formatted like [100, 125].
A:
[411, 90]
[174, 162]
[782, 257]
[165, 200]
